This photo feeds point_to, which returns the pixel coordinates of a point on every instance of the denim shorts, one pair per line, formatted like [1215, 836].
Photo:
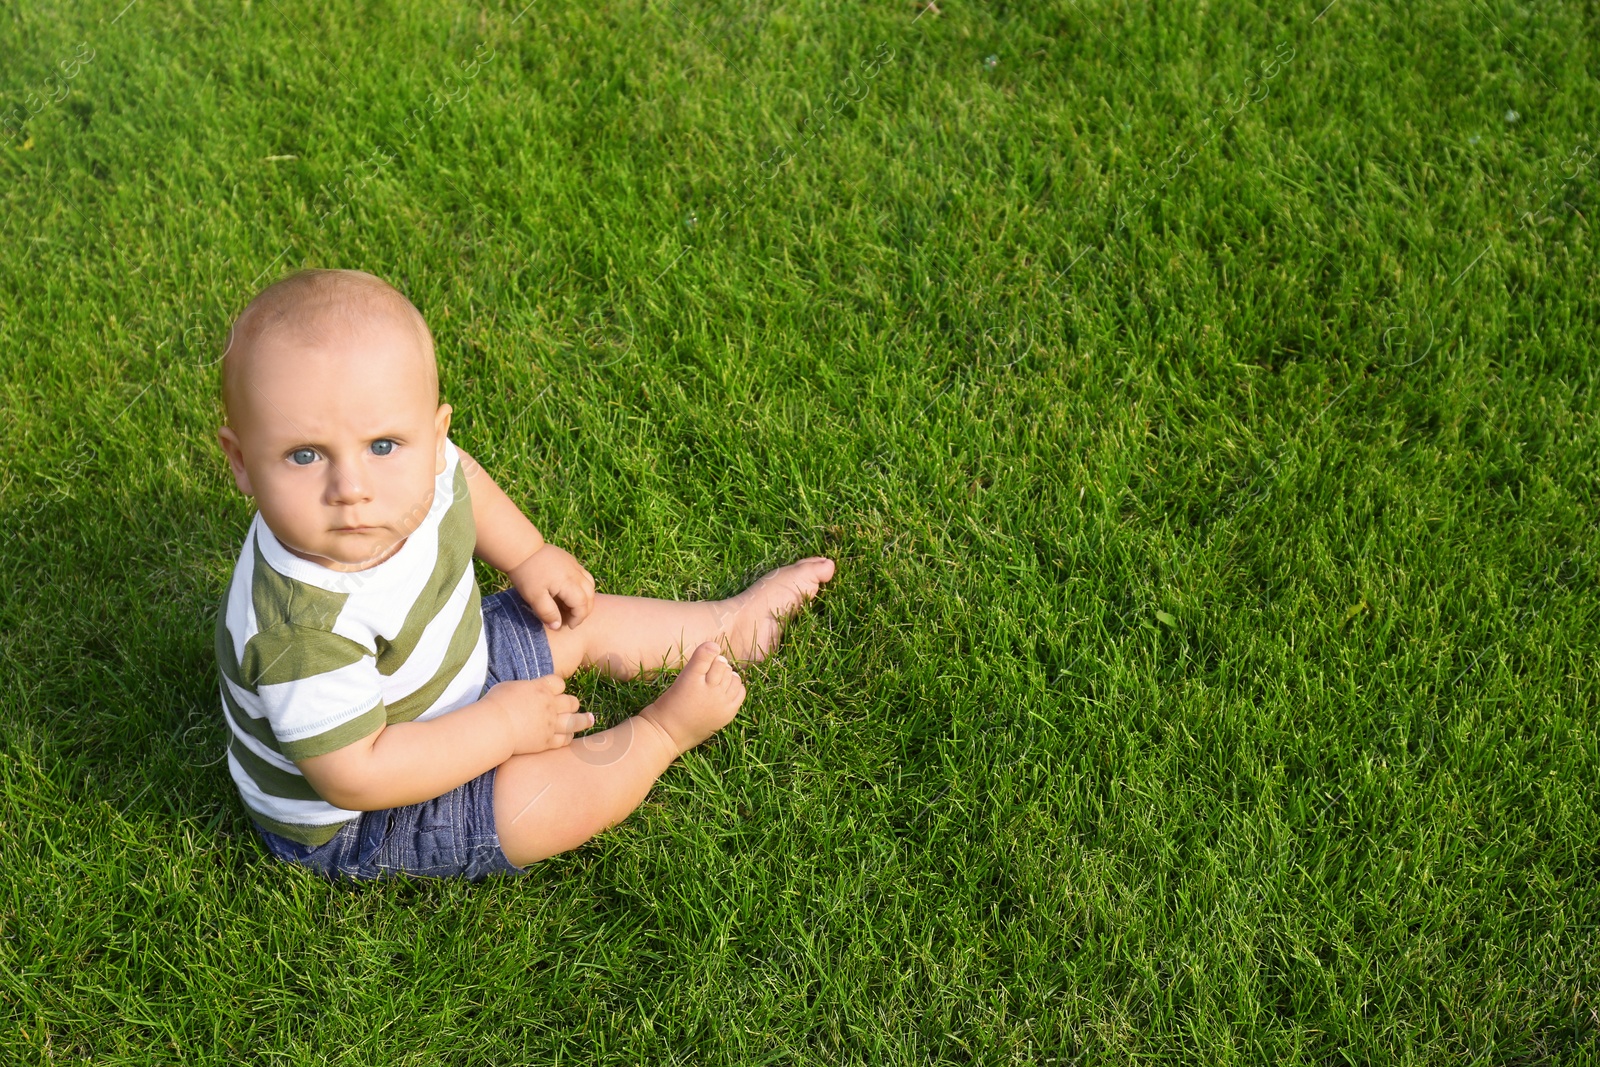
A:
[448, 836]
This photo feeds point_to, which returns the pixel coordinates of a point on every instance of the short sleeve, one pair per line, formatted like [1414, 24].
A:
[319, 691]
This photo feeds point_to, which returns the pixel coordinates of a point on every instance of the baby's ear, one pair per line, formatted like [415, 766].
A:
[235, 453]
[441, 431]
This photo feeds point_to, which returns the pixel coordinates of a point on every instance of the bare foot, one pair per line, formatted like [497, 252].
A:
[753, 621]
[704, 698]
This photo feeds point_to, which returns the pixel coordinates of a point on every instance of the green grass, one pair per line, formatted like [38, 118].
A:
[1208, 677]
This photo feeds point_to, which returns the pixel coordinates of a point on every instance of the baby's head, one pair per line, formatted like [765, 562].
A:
[332, 415]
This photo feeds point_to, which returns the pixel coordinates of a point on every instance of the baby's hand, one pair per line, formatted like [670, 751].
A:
[550, 580]
[541, 713]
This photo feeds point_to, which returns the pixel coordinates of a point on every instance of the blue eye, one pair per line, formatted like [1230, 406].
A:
[382, 447]
[302, 456]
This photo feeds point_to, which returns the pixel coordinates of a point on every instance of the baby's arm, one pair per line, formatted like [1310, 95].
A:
[409, 762]
[505, 536]
[547, 577]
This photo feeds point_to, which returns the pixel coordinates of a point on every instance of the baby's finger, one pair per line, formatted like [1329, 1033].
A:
[581, 604]
[553, 683]
[577, 722]
[544, 606]
[579, 599]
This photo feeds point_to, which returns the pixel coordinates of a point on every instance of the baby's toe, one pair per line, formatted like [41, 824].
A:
[701, 660]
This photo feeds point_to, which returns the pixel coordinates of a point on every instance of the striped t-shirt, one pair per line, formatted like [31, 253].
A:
[313, 659]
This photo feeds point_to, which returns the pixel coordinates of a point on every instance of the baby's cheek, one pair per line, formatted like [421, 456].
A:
[415, 501]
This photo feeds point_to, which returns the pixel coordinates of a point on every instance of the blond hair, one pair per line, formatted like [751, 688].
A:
[311, 305]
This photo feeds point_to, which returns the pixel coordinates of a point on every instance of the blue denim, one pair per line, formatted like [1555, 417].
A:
[448, 836]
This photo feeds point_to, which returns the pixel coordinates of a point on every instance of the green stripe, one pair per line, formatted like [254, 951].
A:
[462, 642]
[274, 781]
[289, 652]
[347, 732]
[280, 599]
[306, 835]
[226, 662]
[260, 729]
[457, 539]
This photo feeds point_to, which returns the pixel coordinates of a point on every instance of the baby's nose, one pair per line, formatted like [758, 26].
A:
[347, 482]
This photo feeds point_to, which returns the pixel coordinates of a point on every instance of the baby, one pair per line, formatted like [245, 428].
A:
[382, 718]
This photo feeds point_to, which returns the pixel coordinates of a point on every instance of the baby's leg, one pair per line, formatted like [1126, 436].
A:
[625, 635]
[548, 802]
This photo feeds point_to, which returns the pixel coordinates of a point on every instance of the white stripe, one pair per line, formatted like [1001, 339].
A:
[241, 620]
[428, 656]
[244, 698]
[465, 687]
[300, 812]
[310, 706]
[278, 760]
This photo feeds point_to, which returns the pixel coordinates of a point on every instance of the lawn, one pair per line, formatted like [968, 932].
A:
[1200, 401]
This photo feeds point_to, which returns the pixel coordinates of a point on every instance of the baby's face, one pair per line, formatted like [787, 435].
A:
[339, 444]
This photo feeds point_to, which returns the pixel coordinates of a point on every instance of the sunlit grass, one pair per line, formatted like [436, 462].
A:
[1199, 402]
